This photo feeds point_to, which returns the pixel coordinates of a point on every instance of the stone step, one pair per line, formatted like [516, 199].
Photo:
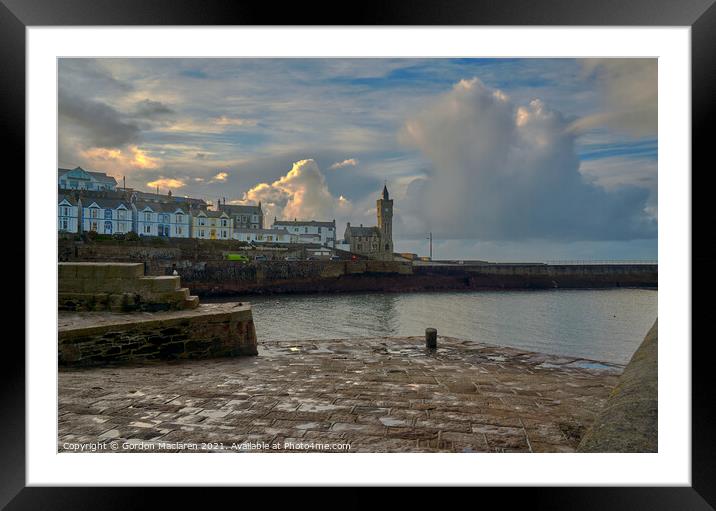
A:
[192, 302]
[162, 284]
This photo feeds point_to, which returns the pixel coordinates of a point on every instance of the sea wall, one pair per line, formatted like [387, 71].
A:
[629, 420]
[203, 268]
[210, 330]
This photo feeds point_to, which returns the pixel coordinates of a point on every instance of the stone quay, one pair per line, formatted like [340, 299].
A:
[208, 330]
[363, 395]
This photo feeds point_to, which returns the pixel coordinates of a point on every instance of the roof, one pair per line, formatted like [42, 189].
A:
[106, 202]
[234, 209]
[212, 214]
[307, 223]
[160, 207]
[69, 198]
[362, 231]
[169, 199]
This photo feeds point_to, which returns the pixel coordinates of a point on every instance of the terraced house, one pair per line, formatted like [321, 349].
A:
[105, 215]
[161, 219]
[212, 225]
[68, 213]
[244, 216]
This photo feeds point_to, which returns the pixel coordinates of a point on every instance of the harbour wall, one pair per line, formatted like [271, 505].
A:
[203, 268]
[629, 420]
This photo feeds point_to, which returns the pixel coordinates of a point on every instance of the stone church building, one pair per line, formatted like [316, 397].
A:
[374, 242]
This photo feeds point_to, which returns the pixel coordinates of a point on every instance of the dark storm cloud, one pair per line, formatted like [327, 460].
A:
[101, 125]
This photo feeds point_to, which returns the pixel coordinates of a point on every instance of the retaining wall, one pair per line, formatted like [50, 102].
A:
[203, 268]
[210, 330]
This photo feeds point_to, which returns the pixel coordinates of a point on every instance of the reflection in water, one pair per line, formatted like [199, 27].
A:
[603, 325]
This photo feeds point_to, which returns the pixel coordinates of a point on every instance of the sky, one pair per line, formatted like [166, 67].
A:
[501, 159]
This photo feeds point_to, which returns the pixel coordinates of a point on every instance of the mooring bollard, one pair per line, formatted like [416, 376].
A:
[431, 338]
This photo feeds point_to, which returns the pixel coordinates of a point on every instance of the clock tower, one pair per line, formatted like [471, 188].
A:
[384, 205]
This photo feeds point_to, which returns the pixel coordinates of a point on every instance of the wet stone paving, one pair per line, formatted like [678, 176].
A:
[358, 395]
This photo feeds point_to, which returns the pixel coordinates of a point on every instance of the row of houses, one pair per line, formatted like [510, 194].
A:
[91, 201]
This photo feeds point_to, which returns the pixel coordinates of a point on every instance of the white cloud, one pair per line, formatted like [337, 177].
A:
[302, 193]
[221, 176]
[351, 162]
[502, 171]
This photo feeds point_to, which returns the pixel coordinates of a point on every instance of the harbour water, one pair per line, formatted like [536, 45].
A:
[606, 325]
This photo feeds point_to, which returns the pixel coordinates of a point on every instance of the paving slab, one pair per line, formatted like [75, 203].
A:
[355, 395]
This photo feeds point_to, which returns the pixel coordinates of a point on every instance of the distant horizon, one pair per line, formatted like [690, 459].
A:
[515, 160]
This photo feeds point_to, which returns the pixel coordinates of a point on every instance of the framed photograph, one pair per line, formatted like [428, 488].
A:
[422, 248]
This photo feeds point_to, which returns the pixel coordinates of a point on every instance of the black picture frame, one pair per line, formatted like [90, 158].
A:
[700, 15]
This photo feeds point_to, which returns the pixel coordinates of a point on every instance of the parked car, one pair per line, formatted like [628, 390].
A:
[311, 258]
[335, 258]
[261, 257]
[237, 257]
[291, 258]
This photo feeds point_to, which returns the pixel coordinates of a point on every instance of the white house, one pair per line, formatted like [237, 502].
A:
[80, 179]
[264, 235]
[212, 225]
[161, 219]
[324, 232]
[106, 216]
[68, 210]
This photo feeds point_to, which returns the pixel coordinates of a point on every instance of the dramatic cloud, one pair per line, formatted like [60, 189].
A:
[302, 193]
[630, 88]
[118, 161]
[99, 124]
[221, 176]
[351, 162]
[507, 172]
[166, 182]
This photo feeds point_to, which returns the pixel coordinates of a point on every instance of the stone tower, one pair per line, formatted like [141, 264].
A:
[384, 206]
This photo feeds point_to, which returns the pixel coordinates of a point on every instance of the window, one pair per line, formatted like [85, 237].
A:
[202, 221]
[108, 214]
[64, 225]
[223, 233]
[269, 238]
[147, 217]
[148, 229]
[94, 212]
[201, 233]
[121, 214]
[93, 226]
[179, 219]
[319, 230]
[178, 229]
[223, 222]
